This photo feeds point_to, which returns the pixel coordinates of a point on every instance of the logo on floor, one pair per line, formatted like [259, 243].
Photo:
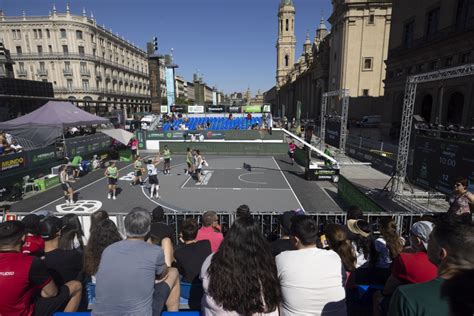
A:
[81, 206]
[206, 176]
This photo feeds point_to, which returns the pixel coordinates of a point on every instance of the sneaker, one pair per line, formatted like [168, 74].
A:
[67, 202]
[157, 196]
[71, 202]
[109, 196]
[114, 198]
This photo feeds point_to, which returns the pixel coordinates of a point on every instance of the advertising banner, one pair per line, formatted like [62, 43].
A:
[84, 145]
[438, 162]
[215, 109]
[267, 108]
[163, 108]
[333, 131]
[252, 109]
[196, 109]
[43, 155]
[178, 109]
[181, 135]
[13, 162]
[234, 109]
[170, 95]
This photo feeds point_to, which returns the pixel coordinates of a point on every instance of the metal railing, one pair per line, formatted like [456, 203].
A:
[67, 71]
[371, 144]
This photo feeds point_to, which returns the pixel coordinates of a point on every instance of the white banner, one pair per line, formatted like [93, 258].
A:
[163, 108]
[196, 109]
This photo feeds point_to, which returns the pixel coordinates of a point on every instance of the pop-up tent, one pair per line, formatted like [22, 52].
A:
[46, 124]
[119, 134]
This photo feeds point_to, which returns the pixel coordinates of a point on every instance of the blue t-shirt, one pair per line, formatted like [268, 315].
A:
[126, 278]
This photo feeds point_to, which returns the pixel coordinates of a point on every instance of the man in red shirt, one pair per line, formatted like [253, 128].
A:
[26, 288]
[210, 230]
[409, 267]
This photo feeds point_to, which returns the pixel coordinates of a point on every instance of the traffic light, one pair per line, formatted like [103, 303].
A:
[155, 43]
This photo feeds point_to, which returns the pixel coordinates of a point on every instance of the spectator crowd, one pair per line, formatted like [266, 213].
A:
[8, 145]
[359, 268]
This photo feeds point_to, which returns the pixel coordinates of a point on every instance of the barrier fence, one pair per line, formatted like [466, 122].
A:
[268, 221]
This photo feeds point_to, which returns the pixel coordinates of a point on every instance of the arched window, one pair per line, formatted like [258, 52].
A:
[78, 34]
[63, 33]
[286, 60]
[281, 26]
[455, 108]
[286, 21]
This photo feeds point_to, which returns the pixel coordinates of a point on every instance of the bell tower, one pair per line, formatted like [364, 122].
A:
[286, 41]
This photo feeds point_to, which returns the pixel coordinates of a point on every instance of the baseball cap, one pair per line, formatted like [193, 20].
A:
[422, 230]
[50, 227]
[355, 225]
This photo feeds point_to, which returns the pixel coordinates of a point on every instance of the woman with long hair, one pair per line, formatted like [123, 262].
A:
[337, 240]
[102, 235]
[241, 277]
[388, 246]
[72, 235]
[98, 216]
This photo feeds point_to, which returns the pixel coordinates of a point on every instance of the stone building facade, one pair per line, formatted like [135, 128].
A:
[286, 40]
[428, 36]
[82, 59]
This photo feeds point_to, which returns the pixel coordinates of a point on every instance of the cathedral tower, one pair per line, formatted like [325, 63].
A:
[286, 41]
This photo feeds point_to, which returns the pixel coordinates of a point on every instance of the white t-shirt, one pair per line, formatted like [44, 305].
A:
[311, 281]
[151, 169]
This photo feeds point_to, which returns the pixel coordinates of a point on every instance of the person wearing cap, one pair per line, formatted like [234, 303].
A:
[284, 243]
[34, 244]
[451, 249]
[133, 278]
[408, 267]
[26, 286]
[112, 174]
[360, 235]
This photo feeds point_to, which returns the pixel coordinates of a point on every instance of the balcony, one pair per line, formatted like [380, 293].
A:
[22, 73]
[85, 73]
[42, 72]
[98, 74]
[67, 71]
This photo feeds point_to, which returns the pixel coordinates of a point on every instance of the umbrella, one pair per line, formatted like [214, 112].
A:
[119, 134]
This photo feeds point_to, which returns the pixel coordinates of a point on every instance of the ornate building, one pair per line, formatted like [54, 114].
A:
[425, 37]
[359, 45]
[80, 58]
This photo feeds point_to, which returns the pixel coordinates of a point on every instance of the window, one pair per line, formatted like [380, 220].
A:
[408, 33]
[21, 65]
[420, 68]
[40, 49]
[81, 50]
[83, 67]
[18, 50]
[434, 65]
[69, 84]
[67, 65]
[48, 33]
[50, 48]
[409, 70]
[465, 58]
[368, 63]
[65, 49]
[92, 38]
[85, 84]
[42, 66]
[365, 92]
[16, 34]
[448, 61]
[371, 19]
[286, 60]
[78, 34]
[465, 14]
[432, 20]
[281, 26]
[37, 34]
[286, 22]
[63, 33]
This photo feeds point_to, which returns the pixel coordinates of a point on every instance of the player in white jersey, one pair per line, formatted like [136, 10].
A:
[153, 177]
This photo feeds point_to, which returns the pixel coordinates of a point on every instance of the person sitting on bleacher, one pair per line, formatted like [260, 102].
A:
[133, 278]
[16, 147]
[311, 278]
[26, 287]
[284, 243]
[34, 244]
[190, 256]
[210, 230]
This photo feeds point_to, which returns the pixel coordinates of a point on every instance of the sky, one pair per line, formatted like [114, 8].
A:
[230, 42]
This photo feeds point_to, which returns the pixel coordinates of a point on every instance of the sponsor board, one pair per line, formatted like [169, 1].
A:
[163, 108]
[196, 109]
[14, 162]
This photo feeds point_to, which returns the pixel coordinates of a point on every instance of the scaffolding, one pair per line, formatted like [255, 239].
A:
[344, 95]
[398, 182]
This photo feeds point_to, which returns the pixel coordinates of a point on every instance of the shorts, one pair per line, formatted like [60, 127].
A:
[66, 186]
[138, 173]
[134, 152]
[153, 179]
[189, 164]
[112, 181]
[167, 160]
[198, 170]
[160, 295]
[47, 306]
[291, 155]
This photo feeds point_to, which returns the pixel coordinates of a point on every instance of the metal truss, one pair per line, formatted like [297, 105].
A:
[407, 115]
[344, 94]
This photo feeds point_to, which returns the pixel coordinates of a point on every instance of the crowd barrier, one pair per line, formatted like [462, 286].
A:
[268, 221]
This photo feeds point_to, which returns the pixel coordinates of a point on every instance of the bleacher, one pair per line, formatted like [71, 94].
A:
[217, 123]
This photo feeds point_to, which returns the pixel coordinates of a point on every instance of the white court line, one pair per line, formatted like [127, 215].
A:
[255, 182]
[153, 201]
[301, 206]
[87, 185]
[186, 182]
[253, 189]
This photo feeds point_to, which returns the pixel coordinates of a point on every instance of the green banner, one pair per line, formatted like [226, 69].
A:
[43, 155]
[140, 135]
[353, 196]
[253, 108]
